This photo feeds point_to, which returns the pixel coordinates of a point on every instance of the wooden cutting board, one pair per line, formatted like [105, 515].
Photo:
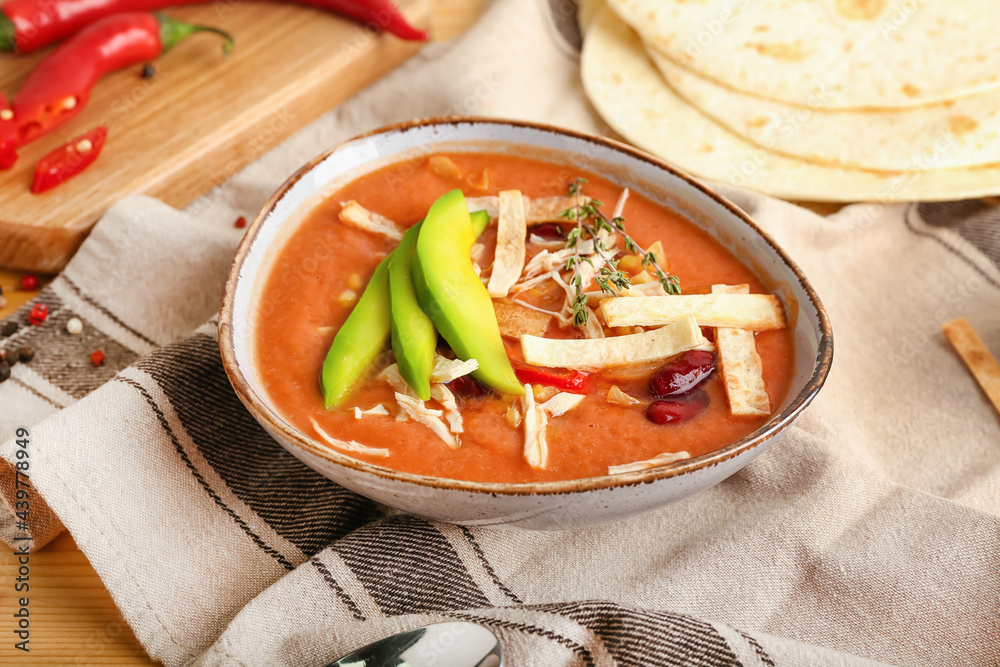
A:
[197, 122]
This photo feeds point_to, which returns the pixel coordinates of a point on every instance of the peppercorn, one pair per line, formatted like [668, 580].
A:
[8, 328]
[38, 314]
[4, 371]
[10, 356]
[74, 326]
[29, 283]
[148, 71]
[26, 353]
[240, 223]
[97, 358]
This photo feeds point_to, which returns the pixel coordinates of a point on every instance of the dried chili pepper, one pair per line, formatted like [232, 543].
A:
[22, 30]
[68, 160]
[59, 87]
[8, 135]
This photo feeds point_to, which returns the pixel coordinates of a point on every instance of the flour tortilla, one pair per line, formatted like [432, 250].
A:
[959, 134]
[628, 91]
[861, 54]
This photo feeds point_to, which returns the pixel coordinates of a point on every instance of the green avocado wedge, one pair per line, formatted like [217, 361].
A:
[414, 338]
[360, 340]
[453, 297]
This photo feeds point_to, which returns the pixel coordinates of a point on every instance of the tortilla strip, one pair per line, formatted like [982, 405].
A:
[516, 321]
[756, 312]
[598, 353]
[536, 448]
[741, 366]
[358, 216]
[348, 446]
[512, 228]
[976, 356]
[658, 460]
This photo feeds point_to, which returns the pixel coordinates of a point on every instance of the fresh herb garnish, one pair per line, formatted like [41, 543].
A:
[590, 222]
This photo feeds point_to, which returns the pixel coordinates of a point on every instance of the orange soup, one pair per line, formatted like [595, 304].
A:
[624, 416]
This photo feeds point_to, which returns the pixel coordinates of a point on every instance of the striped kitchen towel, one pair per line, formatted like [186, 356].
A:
[870, 534]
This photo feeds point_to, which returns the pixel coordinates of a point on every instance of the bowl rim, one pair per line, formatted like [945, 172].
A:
[262, 411]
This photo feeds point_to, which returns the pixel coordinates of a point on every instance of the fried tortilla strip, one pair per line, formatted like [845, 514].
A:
[976, 356]
[742, 370]
[512, 229]
[756, 312]
[597, 353]
[358, 216]
[516, 321]
[658, 460]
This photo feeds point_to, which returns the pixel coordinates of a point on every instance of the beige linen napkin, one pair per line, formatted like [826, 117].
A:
[870, 533]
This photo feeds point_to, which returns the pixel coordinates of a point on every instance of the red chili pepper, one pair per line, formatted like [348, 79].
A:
[575, 382]
[68, 160]
[26, 25]
[38, 314]
[8, 135]
[59, 86]
[97, 358]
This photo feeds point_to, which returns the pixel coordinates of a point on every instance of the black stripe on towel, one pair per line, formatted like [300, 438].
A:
[580, 650]
[257, 539]
[301, 505]
[638, 638]
[408, 567]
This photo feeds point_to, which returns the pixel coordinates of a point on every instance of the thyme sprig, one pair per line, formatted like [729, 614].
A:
[590, 222]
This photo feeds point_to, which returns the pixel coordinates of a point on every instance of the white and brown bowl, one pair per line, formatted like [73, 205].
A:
[542, 505]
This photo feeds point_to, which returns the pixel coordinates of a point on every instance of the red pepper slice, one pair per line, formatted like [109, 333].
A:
[575, 382]
[8, 135]
[68, 160]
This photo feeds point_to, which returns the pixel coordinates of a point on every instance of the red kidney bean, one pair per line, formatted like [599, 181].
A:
[682, 375]
[673, 412]
[547, 230]
[467, 387]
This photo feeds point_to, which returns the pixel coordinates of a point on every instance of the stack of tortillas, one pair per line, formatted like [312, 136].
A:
[830, 100]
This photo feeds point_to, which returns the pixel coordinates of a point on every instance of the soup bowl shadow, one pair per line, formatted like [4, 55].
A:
[540, 505]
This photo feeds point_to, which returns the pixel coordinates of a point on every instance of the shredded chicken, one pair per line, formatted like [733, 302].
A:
[348, 446]
[377, 410]
[659, 460]
[418, 412]
[446, 370]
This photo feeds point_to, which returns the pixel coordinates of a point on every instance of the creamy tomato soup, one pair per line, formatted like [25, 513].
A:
[323, 270]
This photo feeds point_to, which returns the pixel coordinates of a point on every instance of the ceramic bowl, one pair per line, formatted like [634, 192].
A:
[544, 505]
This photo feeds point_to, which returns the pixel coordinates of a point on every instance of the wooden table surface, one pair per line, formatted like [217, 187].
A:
[74, 620]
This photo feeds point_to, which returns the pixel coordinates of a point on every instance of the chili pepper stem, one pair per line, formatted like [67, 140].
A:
[7, 41]
[173, 31]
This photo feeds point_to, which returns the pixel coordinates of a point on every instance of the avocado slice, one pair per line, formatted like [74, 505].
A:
[453, 297]
[360, 340]
[414, 337]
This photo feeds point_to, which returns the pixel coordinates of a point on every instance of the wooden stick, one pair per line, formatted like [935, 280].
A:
[970, 347]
